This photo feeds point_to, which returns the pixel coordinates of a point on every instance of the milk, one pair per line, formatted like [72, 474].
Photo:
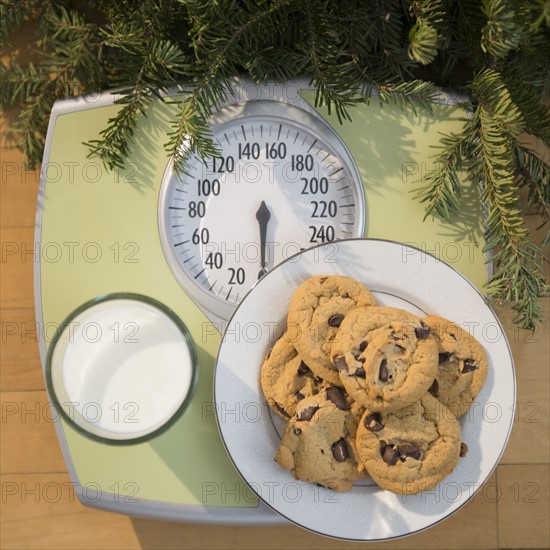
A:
[122, 369]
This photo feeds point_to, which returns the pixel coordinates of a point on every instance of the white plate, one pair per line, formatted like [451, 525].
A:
[400, 276]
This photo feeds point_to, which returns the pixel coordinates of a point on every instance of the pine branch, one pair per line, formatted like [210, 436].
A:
[534, 174]
[425, 37]
[191, 134]
[492, 94]
[442, 189]
[498, 50]
[423, 43]
[20, 83]
[327, 91]
[517, 278]
[502, 32]
[412, 94]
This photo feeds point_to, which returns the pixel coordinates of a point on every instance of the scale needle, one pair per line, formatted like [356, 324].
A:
[263, 215]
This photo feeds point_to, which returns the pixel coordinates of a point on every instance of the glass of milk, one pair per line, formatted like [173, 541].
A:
[121, 368]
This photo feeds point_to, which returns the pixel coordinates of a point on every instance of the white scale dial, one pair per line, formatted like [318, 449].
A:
[283, 182]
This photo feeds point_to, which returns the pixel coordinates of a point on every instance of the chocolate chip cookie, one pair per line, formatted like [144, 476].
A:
[462, 362]
[318, 443]
[316, 311]
[410, 450]
[387, 357]
[286, 379]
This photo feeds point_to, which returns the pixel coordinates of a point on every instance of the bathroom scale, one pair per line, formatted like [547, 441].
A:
[289, 176]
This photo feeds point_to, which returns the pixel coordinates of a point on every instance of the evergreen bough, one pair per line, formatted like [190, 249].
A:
[495, 51]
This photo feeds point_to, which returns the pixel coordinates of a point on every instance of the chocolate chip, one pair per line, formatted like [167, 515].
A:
[317, 380]
[322, 451]
[463, 450]
[322, 280]
[363, 345]
[345, 295]
[336, 395]
[399, 346]
[358, 358]
[299, 396]
[281, 410]
[340, 363]
[444, 357]
[335, 320]
[469, 366]
[390, 455]
[303, 369]
[307, 414]
[340, 450]
[383, 375]
[373, 422]
[409, 449]
[297, 431]
[422, 331]
[434, 388]
[359, 373]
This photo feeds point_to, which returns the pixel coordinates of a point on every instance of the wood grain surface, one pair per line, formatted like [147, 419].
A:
[40, 510]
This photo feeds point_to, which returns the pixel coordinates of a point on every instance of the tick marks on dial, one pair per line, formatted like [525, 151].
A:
[180, 190]
[297, 134]
[244, 133]
[229, 293]
[279, 134]
[342, 188]
[336, 171]
[199, 273]
[312, 145]
[176, 208]
[188, 260]
[226, 138]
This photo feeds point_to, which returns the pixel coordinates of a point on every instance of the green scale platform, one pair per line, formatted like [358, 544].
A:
[98, 234]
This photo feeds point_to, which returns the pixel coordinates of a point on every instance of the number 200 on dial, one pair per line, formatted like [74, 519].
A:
[283, 182]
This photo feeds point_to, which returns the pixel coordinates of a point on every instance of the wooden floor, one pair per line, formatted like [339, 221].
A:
[40, 510]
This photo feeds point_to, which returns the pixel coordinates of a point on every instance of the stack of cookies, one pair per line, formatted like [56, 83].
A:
[370, 390]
